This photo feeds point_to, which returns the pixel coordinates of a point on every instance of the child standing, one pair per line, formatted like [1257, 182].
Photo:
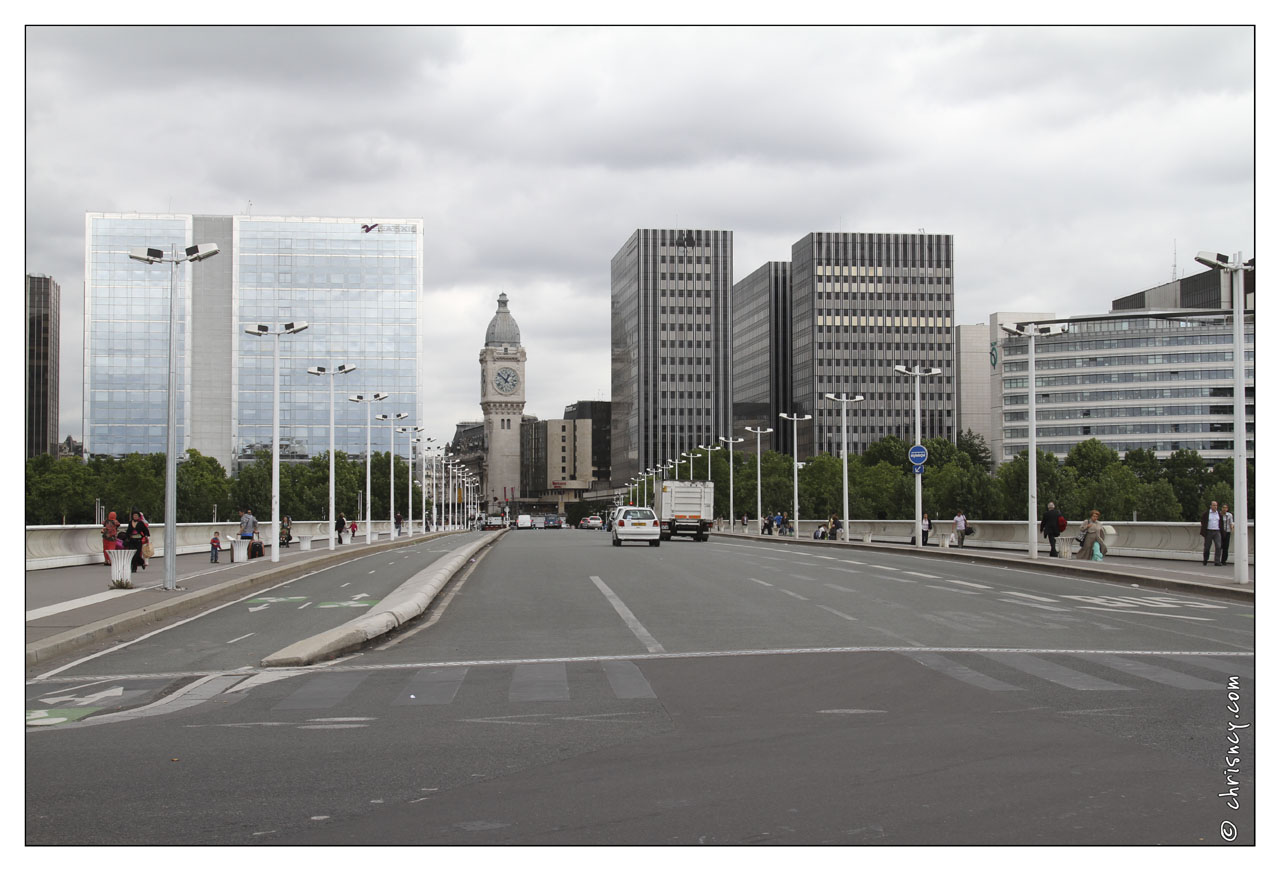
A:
[214, 546]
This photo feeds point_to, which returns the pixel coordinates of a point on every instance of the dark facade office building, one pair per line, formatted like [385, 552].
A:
[762, 355]
[862, 303]
[43, 301]
[670, 325]
[600, 414]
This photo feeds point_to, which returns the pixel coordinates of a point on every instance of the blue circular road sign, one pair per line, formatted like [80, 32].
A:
[917, 454]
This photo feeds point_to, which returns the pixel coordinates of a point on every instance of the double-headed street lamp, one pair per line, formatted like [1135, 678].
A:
[1238, 266]
[422, 457]
[409, 477]
[390, 420]
[708, 449]
[918, 372]
[795, 464]
[368, 400]
[759, 431]
[844, 399]
[339, 370]
[264, 330]
[191, 254]
[691, 456]
[730, 441]
[1030, 332]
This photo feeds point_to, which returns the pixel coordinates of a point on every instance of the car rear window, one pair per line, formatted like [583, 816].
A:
[642, 514]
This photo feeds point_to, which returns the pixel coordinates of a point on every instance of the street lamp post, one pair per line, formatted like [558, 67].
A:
[844, 401]
[708, 449]
[191, 254]
[264, 330]
[759, 431]
[795, 464]
[408, 477]
[730, 441]
[390, 420]
[332, 373]
[1238, 266]
[368, 400]
[691, 456]
[918, 372]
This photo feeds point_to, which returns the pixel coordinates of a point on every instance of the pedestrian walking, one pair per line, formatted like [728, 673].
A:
[339, 525]
[136, 536]
[744, 523]
[1091, 533]
[248, 523]
[925, 526]
[110, 537]
[962, 527]
[1051, 525]
[399, 521]
[767, 528]
[1228, 527]
[215, 545]
[1211, 531]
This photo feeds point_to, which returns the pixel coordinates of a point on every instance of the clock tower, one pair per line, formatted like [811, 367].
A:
[502, 400]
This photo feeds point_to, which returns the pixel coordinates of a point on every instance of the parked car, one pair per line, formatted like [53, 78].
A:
[636, 524]
[592, 522]
[553, 521]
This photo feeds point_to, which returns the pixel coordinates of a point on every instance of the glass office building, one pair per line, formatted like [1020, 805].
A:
[1135, 382]
[761, 356]
[670, 319]
[356, 281]
[44, 299]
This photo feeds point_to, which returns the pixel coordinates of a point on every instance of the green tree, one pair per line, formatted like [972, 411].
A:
[202, 484]
[958, 485]
[821, 491]
[59, 491]
[1157, 502]
[1052, 484]
[975, 446]
[251, 488]
[881, 492]
[1188, 474]
[1090, 458]
[889, 449]
[1144, 463]
[137, 485]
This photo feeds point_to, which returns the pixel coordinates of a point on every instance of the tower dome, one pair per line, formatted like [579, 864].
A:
[503, 330]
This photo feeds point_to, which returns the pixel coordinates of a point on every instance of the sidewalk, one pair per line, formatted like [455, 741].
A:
[1165, 574]
[73, 607]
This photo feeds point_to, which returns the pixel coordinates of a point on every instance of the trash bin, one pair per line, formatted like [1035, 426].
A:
[240, 550]
[346, 537]
[121, 568]
[305, 542]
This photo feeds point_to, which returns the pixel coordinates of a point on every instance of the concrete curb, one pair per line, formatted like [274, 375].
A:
[1077, 568]
[403, 604]
[82, 636]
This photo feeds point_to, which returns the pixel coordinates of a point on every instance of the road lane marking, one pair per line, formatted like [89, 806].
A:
[886, 568]
[637, 629]
[1054, 673]
[952, 590]
[1117, 612]
[922, 575]
[961, 672]
[1028, 596]
[71, 605]
[967, 584]
[1034, 605]
[1152, 672]
[840, 588]
[796, 595]
[803, 578]
[303, 605]
[758, 581]
[241, 638]
[837, 613]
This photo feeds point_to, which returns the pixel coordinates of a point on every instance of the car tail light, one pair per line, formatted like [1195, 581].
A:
[622, 523]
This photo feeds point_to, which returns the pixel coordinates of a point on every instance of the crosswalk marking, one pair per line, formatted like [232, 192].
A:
[1151, 672]
[627, 681]
[1233, 665]
[961, 672]
[1051, 671]
[541, 682]
[322, 691]
[432, 686]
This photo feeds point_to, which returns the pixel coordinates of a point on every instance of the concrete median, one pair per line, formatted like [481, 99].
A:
[406, 602]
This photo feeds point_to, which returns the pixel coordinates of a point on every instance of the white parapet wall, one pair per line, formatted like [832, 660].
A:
[50, 547]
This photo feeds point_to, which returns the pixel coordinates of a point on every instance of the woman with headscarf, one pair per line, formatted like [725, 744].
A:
[136, 536]
[1092, 531]
[110, 530]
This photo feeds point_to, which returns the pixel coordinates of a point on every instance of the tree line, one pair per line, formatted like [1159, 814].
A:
[958, 477]
[63, 491]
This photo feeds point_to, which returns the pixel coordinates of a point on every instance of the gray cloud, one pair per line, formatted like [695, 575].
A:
[1066, 161]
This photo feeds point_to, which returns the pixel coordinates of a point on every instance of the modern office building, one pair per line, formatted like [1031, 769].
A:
[762, 355]
[44, 299]
[670, 351]
[1139, 382]
[862, 303]
[356, 281]
[976, 359]
[993, 370]
[555, 461]
[600, 413]
[1210, 289]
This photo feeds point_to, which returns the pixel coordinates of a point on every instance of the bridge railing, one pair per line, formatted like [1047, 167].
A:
[1175, 541]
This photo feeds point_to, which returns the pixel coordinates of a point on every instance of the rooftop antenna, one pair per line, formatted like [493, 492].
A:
[1175, 259]
[249, 208]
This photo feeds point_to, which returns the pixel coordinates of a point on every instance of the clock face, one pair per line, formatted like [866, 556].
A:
[506, 380]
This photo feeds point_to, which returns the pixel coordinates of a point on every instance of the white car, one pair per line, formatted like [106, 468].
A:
[636, 524]
[592, 522]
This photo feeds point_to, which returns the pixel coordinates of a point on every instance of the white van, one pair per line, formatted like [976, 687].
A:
[524, 521]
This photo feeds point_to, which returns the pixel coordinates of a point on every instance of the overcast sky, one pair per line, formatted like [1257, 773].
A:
[1067, 162]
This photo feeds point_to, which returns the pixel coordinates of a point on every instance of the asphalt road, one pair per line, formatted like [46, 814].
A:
[568, 692]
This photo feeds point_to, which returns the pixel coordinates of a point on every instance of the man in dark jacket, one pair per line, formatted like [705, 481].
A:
[1050, 526]
[1211, 530]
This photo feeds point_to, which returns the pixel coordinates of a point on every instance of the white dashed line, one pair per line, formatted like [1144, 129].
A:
[796, 595]
[1028, 596]
[922, 575]
[241, 638]
[1033, 605]
[758, 581]
[967, 584]
[952, 590]
[837, 613]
